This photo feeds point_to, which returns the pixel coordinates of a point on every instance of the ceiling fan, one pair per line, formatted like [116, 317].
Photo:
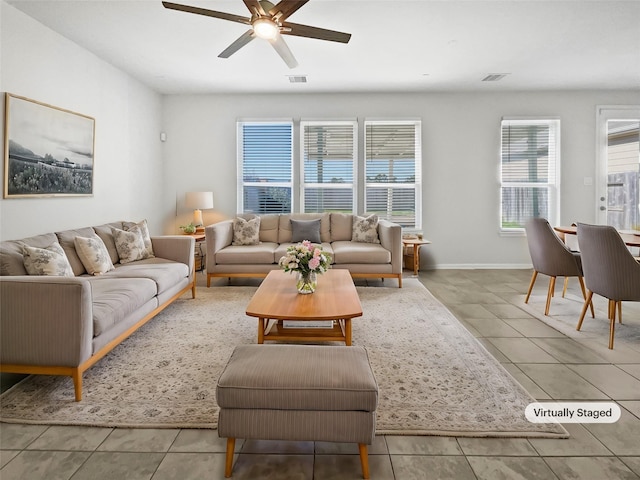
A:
[267, 21]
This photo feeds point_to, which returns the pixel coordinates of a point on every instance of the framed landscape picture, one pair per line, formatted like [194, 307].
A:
[48, 151]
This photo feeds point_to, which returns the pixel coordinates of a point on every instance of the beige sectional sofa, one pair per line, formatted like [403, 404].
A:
[61, 325]
[363, 259]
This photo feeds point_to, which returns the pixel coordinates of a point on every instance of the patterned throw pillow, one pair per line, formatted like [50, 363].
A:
[50, 260]
[365, 229]
[246, 232]
[130, 244]
[93, 254]
[144, 228]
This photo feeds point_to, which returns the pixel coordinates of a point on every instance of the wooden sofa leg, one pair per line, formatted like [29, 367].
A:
[364, 460]
[228, 464]
[77, 384]
[400, 281]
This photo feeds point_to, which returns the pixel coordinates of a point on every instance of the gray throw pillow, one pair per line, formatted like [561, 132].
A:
[305, 230]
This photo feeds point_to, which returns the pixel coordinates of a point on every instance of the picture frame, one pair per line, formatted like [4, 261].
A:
[48, 151]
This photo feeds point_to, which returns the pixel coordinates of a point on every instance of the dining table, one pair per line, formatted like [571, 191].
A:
[631, 238]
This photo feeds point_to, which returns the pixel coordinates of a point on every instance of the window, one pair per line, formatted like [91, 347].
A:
[265, 167]
[393, 171]
[529, 172]
[329, 155]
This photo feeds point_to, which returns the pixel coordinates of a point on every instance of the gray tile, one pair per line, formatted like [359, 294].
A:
[139, 440]
[561, 383]
[592, 468]
[378, 447]
[279, 447]
[273, 467]
[411, 467]
[633, 463]
[580, 442]
[70, 438]
[505, 310]
[112, 465]
[491, 327]
[200, 441]
[36, 465]
[510, 468]
[633, 406]
[497, 446]
[533, 328]
[529, 385]
[471, 311]
[616, 383]
[493, 350]
[522, 350]
[620, 437]
[6, 456]
[180, 466]
[566, 350]
[422, 445]
[632, 369]
[346, 467]
[14, 436]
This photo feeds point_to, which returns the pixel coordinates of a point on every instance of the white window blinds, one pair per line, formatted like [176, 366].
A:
[529, 171]
[265, 167]
[393, 171]
[328, 166]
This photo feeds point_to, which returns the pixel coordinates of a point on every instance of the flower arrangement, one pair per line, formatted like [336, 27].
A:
[307, 260]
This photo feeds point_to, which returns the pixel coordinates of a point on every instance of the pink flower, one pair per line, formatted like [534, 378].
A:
[314, 263]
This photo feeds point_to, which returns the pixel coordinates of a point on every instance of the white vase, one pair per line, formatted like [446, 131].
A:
[306, 282]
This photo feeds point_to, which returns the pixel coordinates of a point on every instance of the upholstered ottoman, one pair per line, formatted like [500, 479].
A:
[300, 393]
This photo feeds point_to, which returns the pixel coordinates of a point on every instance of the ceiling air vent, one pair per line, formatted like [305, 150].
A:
[297, 78]
[494, 77]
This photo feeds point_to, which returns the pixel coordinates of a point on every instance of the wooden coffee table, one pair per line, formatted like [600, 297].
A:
[277, 300]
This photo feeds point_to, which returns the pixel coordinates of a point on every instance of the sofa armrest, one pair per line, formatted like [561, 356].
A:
[179, 248]
[390, 235]
[218, 236]
[45, 320]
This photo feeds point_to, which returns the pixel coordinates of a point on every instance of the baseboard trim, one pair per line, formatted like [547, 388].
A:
[478, 266]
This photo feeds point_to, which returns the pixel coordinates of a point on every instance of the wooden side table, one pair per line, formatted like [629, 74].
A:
[417, 243]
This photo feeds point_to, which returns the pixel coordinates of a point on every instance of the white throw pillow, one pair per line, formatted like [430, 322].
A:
[246, 232]
[93, 254]
[130, 244]
[50, 260]
[144, 228]
[365, 229]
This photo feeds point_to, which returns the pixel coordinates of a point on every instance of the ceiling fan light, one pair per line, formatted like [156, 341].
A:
[265, 28]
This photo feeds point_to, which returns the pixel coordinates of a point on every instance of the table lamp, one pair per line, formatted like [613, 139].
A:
[198, 201]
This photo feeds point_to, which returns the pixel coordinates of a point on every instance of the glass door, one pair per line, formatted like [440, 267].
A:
[618, 168]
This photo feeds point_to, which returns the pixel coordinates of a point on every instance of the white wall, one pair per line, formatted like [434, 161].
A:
[37, 63]
[461, 136]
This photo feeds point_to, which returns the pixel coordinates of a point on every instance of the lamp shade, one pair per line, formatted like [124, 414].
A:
[199, 200]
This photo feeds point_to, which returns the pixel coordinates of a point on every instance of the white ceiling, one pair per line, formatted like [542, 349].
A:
[396, 45]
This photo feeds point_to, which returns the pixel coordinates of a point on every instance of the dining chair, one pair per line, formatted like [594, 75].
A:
[609, 270]
[550, 256]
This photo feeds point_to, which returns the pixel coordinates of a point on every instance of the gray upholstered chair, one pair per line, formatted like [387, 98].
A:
[550, 256]
[609, 270]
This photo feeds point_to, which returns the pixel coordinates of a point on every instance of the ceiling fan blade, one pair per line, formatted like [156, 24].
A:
[283, 50]
[245, 38]
[206, 12]
[254, 6]
[286, 8]
[314, 32]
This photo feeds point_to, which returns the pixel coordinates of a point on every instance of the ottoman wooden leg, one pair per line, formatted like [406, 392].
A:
[364, 460]
[228, 464]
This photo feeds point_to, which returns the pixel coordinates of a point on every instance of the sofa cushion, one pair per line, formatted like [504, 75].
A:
[341, 226]
[281, 250]
[165, 273]
[359, 252]
[365, 229]
[65, 239]
[114, 299]
[104, 232]
[285, 229]
[130, 244]
[93, 254]
[50, 260]
[305, 230]
[11, 259]
[146, 237]
[246, 232]
[263, 253]
[269, 227]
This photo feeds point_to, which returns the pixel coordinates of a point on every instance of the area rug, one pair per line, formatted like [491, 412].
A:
[434, 377]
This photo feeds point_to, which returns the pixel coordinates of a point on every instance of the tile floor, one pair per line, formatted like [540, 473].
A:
[547, 363]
